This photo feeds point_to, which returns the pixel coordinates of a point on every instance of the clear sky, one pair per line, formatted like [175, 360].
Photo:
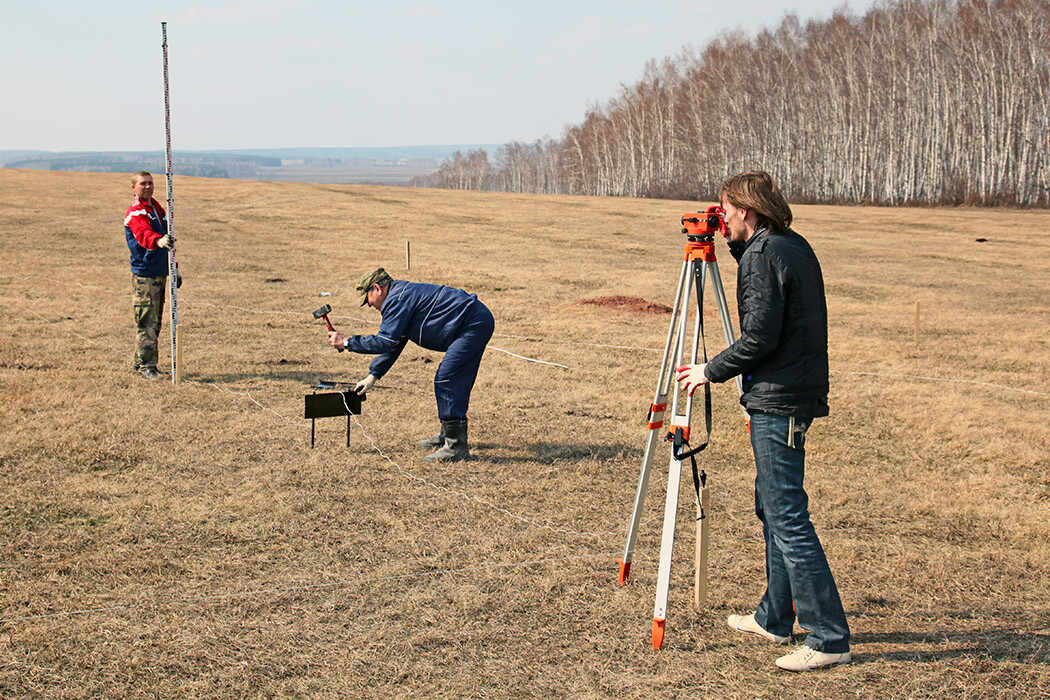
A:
[88, 75]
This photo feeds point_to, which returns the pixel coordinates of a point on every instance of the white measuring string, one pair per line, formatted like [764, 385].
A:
[305, 587]
[529, 359]
[575, 342]
[460, 494]
[71, 332]
[892, 375]
[248, 393]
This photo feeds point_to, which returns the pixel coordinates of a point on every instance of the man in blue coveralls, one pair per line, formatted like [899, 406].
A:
[434, 317]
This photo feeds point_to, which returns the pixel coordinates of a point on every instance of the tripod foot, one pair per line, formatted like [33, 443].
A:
[658, 633]
[625, 571]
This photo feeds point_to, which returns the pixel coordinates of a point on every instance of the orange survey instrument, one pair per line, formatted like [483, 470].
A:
[699, 262]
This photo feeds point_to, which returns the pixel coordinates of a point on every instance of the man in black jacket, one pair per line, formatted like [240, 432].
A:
[782, 353]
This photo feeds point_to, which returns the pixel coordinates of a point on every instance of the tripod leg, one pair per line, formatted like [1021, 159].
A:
[663, 579]
[656, 422]
[655, 430]
[678, 421]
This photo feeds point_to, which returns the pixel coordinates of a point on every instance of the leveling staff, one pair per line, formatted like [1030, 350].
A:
[146, 231]
[434, 317]
[782, 353]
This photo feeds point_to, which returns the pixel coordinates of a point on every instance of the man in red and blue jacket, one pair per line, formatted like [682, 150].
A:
[146, 231]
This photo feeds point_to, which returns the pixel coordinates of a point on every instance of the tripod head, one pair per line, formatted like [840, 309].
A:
[700, 228]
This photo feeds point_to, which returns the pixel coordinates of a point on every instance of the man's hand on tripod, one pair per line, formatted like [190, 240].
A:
[691, 377]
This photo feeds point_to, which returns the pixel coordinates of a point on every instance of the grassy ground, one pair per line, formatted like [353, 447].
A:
[186, 542]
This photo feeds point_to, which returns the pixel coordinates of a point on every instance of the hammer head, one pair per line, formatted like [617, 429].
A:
[323, 311]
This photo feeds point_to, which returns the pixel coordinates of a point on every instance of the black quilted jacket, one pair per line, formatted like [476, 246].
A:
[782, 351]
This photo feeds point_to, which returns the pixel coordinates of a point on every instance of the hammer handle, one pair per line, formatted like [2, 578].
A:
[325, 317]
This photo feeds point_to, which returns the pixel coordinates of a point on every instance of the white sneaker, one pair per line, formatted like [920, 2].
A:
[806, 658]
[747, 625]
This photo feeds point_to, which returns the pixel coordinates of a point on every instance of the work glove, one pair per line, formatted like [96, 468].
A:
[364, 385]
[165, 241]
[691, 377]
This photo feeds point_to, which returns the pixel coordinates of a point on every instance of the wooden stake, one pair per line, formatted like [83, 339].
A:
[703, 530]
[408, 255]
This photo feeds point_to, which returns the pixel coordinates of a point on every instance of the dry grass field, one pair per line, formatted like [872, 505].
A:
[186, 542]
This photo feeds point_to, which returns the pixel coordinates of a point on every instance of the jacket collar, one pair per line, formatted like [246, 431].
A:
[737, 248]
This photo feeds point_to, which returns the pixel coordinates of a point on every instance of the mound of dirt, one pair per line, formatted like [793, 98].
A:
[630, 304]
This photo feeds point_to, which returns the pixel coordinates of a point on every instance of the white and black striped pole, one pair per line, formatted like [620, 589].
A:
[173, 267]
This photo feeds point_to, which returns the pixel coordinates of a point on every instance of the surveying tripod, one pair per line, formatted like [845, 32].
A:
[699, 262]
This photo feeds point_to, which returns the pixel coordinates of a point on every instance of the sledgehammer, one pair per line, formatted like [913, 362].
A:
[323, 313]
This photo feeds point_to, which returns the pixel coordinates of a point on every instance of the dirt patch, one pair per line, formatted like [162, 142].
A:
[630, 304]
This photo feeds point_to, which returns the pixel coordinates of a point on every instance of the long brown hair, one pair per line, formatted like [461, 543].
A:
[755, 191]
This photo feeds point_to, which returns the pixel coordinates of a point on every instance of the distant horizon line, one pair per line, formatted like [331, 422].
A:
[254, 149]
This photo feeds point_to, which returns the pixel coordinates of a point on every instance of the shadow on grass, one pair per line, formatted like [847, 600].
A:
[306, 378]
[550, 452]
[999, 644]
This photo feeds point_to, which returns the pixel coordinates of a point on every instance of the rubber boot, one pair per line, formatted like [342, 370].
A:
[455, 447]
[432, 443]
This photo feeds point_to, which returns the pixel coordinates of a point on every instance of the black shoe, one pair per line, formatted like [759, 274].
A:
[150, 373]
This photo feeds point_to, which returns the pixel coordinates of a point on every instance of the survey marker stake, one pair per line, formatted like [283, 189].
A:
[703, 505]
[699, 263]
[173, 266]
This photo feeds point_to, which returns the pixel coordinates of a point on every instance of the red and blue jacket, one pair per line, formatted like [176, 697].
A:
[144, 225]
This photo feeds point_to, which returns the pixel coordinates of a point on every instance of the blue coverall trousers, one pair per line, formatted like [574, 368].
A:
[455, 375]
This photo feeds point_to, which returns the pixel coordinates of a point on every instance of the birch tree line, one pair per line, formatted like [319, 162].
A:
[915, 102]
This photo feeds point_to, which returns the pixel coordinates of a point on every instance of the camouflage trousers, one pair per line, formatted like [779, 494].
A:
[147, 294]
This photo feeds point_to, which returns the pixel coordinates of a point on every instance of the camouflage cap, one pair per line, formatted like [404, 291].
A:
[377, 276]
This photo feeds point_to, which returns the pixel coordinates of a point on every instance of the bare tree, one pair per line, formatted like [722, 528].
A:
[916, 101]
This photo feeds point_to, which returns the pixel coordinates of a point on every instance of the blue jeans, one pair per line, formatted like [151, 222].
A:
[796, 569]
